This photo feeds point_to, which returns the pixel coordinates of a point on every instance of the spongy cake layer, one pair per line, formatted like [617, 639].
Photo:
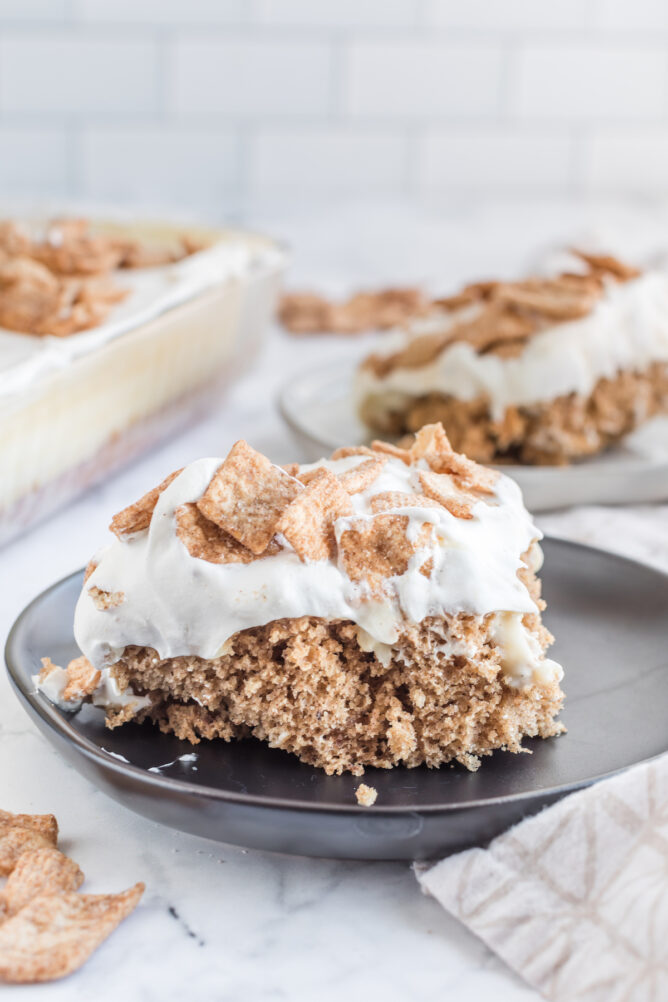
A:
[307, 687]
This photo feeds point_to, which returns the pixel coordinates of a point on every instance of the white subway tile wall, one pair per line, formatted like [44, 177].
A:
[416, 80]
[572, 83]
[149, 164]
[221, 105]
[77, 74]
[246, 79]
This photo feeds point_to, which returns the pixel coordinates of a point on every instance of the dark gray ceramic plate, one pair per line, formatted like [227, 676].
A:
[610, 616]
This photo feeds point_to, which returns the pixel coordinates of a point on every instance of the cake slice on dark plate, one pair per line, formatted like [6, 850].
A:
[542, 371]
[379, 608]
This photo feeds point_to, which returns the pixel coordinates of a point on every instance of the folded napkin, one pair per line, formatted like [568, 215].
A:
[575, 899]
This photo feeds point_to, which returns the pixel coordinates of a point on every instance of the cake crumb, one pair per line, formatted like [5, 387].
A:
[366, 795]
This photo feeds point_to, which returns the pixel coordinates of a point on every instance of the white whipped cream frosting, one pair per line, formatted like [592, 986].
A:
[182, 605]
[626, 330]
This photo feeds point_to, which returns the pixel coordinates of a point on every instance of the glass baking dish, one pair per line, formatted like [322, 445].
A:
[74, 409]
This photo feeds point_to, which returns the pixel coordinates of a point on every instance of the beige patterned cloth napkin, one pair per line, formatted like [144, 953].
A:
[575, 899]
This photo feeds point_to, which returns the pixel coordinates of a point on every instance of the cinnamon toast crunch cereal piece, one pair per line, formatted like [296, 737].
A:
[391, 500]
[47, 668]
[207, 541]
[307, 476]
[54, 934]
[362, 476]
[475, 292]
[562, 298]
[28, 293]
[74, 683]
[21, 832]
[378, 310]
[432, 444]
[136, 254]
[304, 312]
[440, 488]
[353, 450]
[497, 324]
[14, 238]
[79, 305]
[392, 450]
[419, 351]
[62, 284]
[137, 516]
[374, 549]
[82, 680]
[427, 567]
[105, 600]
[247, 495]
[610, 265]
[308, 521]
[309, 313]
[471, 475]
[71, 250]
[38, 871]
[91, 567]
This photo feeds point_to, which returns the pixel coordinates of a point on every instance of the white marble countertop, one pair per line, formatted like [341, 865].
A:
[218, 922]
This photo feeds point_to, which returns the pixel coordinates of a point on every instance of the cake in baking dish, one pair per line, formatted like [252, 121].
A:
[379, 608]
[113, 335]
[542, 371]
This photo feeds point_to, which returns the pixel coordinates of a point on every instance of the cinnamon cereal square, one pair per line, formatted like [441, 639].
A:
[308, 522]
[247, 495]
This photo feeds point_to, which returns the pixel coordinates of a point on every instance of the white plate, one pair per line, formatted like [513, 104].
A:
[319, 409]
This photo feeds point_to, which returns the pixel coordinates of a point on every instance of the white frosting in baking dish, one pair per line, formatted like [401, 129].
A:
[626, 330]
[25, 358]
[179, 604]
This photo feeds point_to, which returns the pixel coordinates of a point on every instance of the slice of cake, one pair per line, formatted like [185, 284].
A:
[546, 370]
[379, 608]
